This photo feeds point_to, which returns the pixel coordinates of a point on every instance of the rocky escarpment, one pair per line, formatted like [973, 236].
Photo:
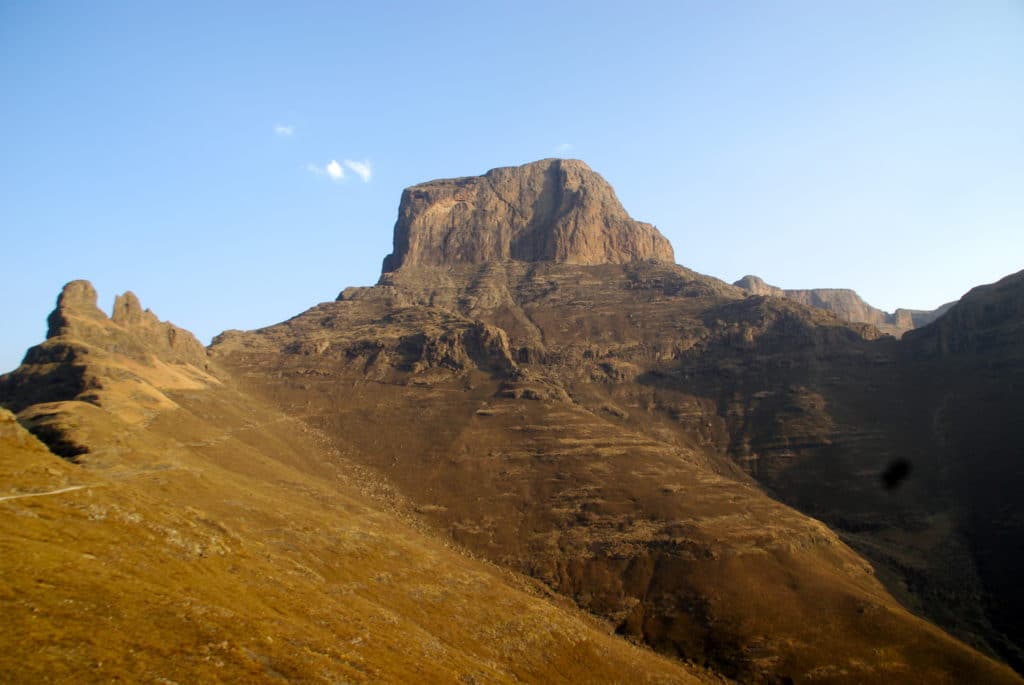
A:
[551, 210]
[121, 365]
[847, 305]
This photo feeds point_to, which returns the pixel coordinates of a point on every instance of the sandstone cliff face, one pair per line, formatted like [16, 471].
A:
[551, 210]
[847, 305]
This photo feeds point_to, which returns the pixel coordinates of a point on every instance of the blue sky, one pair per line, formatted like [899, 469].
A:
[181, 150]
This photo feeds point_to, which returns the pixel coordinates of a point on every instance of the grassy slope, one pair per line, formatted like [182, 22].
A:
[213, 541]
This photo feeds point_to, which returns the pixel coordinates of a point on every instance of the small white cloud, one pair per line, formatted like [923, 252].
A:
[361, 169]
[334, 170]
[562, 148]
[285, 130]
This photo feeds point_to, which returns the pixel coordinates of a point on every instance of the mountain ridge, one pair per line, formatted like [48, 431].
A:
[199, 535]
[848, 306]
[698, 467]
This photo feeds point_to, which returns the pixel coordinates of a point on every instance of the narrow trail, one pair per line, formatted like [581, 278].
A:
[40, 494]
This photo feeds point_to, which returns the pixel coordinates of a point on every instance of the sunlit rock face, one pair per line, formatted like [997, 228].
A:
[552, 210]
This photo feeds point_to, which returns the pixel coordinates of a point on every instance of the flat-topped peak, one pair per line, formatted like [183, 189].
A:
[549, 210]
[539, 166]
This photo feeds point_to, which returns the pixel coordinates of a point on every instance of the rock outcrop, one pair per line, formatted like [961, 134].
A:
[756, 286]
[76, 308]
[552, 210]
[130, 329]
[103, 361]
[847, 305]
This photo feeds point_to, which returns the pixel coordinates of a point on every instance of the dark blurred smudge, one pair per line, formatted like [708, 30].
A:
[896, 473]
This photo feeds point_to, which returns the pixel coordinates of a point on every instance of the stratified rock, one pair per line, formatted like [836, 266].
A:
[847, 305]
[551, 210]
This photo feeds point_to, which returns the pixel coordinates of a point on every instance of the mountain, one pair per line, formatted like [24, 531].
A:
[848, 306]
[192, 533]
[534, 412]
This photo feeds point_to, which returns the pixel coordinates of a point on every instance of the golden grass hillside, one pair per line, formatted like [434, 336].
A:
[205, 537]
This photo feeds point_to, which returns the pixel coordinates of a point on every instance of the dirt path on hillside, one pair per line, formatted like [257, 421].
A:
[40, 494]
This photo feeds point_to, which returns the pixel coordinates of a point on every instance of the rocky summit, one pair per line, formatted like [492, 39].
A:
[538, 450]
[552, 210]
